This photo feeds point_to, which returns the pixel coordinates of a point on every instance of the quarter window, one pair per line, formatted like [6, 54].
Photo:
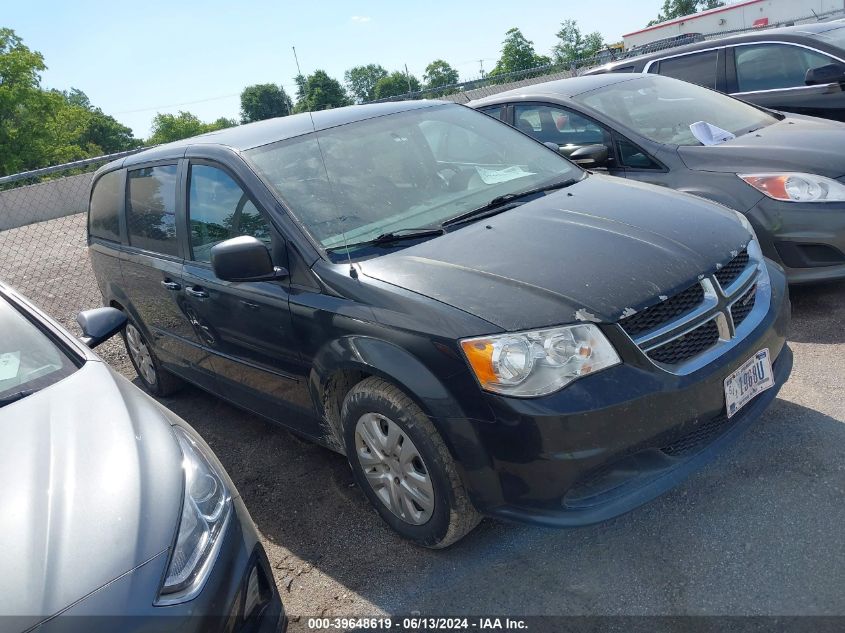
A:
[105, 202]
[633, 157]
[493, 111]
[151, 209]
[696, 68]
[219, 210]
[773, 66]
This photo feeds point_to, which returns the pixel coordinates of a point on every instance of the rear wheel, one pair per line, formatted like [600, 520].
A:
[400, 462]
[155, 379]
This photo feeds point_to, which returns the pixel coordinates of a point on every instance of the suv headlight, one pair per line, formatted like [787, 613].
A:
[796, 187]
[536, 363]
[206, 509]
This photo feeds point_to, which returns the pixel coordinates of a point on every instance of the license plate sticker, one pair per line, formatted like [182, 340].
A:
[755, 376]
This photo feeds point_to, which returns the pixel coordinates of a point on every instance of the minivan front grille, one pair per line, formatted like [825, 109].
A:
[744, 305]
[683, 327]
[685, 347]
[728, 273]
[658, 315]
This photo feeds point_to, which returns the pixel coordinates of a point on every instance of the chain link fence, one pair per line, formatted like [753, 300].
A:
[43, 240]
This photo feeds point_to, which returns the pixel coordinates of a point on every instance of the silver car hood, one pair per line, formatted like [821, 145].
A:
[91, 488]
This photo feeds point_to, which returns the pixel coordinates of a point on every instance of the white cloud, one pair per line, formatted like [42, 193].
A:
[360, 19]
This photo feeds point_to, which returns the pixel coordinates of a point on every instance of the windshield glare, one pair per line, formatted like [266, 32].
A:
[402, 171]
[28, 358]
[662, 109]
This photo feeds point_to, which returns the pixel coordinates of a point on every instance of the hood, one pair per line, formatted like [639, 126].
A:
[595, 251]
[803, 144]
[92, 487]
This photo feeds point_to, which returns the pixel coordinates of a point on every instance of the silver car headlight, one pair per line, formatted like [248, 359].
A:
[206, 510]
[536, 363]
[796, 187]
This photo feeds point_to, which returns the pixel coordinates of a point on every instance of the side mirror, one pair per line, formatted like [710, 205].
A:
[244, 259]
[100, 324]
[590, 156]
[828, 74]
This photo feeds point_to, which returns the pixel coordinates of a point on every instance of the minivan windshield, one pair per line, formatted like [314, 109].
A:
[662, 109]
[409, 170]
[29, 360]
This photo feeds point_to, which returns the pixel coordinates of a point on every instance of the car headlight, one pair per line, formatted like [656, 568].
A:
[206, 509]
[536, 363]
[796, 187]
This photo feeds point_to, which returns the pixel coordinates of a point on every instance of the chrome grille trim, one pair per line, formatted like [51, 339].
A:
[716, 306]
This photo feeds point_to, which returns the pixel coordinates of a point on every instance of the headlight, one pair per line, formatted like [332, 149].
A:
[205, 512]
[536, 363]
[795, 187]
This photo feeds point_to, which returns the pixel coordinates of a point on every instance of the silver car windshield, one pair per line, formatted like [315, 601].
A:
[403, 171]
[662, 109]
[29, 359]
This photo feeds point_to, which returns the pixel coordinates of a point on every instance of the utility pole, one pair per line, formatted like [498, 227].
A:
[481, 67]
[408, 77]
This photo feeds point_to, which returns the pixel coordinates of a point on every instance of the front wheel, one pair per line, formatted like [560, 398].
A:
[400, 462]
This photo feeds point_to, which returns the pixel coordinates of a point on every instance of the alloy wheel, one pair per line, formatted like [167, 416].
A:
[140, 354]
[394, 468]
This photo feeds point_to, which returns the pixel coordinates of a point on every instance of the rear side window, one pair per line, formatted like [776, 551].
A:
[696, 68]
[772, 66]
[105, 202]
[151, 209]
[219, 210]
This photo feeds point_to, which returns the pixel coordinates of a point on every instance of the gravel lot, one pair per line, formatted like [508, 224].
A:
[759, 531]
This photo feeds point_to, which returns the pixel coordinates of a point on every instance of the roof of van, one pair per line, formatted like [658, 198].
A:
[243, 137]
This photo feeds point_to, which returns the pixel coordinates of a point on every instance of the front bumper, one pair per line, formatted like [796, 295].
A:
[807, 239]
[126, 604]
[613, 441]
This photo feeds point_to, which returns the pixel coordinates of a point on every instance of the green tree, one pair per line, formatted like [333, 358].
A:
[439, 73]
[361, 81]
[174, 127]
[573, 46]
[321, 92]
[23, 106]
[678, 8]
[517, 54]
[264, 101]
[396, 84]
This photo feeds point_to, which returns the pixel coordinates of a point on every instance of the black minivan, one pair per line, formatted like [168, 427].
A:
[478, 324]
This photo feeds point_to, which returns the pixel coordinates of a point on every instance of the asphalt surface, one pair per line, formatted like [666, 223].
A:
[760, 531]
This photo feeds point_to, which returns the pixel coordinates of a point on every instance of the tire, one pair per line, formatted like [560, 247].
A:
[415, 486]
[156, 380]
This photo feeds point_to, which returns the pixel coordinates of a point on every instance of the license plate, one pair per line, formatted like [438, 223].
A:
[753, 377]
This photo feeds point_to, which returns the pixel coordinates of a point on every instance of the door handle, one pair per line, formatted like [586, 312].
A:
[170, 285]
[250, 304]
[196, 291]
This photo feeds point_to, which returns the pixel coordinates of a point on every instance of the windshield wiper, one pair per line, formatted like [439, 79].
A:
[391, 237]
[498, 204]
[14, 397]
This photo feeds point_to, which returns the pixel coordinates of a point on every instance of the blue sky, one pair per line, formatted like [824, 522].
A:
[134, 59]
